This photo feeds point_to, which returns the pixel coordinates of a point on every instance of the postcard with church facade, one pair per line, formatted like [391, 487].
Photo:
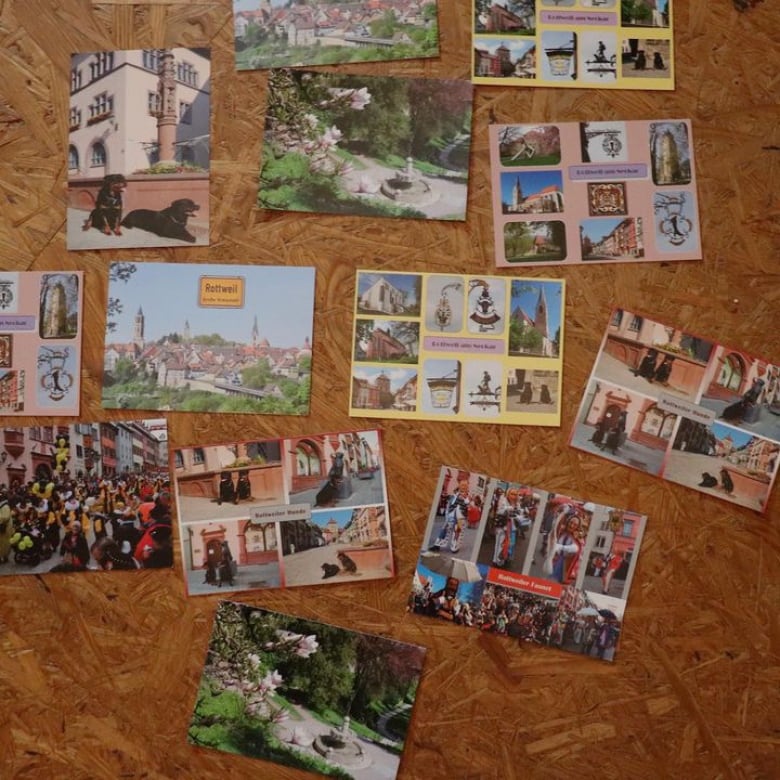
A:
[277, 513]
[277, 33]
[458, 347]
[506, 558]
[594, 192]
[138, 149]
[585, 44]
[685, 408]
[41, 316]
[231, 339]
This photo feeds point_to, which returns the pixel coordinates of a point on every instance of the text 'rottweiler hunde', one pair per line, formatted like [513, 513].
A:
[107, 214]
[168, 223]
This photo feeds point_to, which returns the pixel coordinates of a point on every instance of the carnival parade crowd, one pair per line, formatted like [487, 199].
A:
[522, 616]
[66, 524]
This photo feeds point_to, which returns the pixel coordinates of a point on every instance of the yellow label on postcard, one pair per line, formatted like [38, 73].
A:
[225, 292]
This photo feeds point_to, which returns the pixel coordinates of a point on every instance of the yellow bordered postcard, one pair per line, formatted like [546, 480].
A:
[462, 347]
[574, 43]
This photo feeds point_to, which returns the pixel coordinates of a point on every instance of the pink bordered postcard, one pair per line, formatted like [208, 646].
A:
[503, 557]
[690, 410]
[138, 148]
[584, 44]
[277, 513]
[457, 347]
[89, 496]
[594, 192]
[41, 316]
[372, 146]
[305, 694]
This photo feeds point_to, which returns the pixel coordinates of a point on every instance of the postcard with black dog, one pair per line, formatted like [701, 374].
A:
[138, 149]
[278, 513]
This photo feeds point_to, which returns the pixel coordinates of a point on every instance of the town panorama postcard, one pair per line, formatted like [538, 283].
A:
[232, 339]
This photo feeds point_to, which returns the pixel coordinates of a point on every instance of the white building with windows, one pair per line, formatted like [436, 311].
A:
[116, 100]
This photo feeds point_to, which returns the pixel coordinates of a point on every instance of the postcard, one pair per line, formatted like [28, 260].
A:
[41, 316]
[273, 34]
[507, 558]
[458, 347]
[678, 406]
[85, 497]
[374, 146]
[590, 44]
[138, 149]
[305, 694]
[278, 513]
[208, 338]
[594, 192]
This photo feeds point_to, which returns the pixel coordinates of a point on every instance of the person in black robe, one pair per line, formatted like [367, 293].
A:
[545, 396]
[615, 436]
[601, 429]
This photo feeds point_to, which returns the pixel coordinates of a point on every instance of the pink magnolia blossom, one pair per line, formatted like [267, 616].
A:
[272, 680]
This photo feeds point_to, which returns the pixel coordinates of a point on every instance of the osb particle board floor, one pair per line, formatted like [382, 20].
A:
[98, 674]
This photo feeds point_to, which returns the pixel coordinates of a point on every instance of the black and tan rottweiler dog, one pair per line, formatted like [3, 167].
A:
[107, 214]
[168, 223]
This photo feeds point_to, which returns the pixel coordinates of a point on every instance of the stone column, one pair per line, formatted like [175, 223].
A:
[167, 118]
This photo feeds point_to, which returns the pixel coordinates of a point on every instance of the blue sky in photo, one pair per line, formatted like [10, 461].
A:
[281, 297]
[466, 590]
[398, 376]
[403, 282]
[740, 438]
[341, 516]
[531, 182]
[596, 229]
[517, 48]
[527, 301]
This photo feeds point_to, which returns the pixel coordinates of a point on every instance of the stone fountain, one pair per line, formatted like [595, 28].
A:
[340, 747]
[406, 186]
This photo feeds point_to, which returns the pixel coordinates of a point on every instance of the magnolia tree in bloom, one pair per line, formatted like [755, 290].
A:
[234, 664]
[293, 127]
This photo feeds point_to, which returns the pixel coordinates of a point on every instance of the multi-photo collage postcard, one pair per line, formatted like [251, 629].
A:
[594, 192]
[278, 513]
[273, 34]
[372, 146]
[507, 558]
[90, 496]
[684, 408]
[586, 44]
[41, 316]
[305, 694]
[458, 347]
[138, 149]
[233, 339]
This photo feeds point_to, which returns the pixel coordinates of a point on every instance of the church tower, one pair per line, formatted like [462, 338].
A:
[669, 163]
[517, 193]
[187, 333]
[54, 322]
[255, 333]
[138, 328]
[540, 316]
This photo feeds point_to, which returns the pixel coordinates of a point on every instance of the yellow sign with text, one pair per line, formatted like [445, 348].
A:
[224, 292]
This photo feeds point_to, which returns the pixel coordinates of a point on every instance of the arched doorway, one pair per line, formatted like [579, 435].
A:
[732, 371]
